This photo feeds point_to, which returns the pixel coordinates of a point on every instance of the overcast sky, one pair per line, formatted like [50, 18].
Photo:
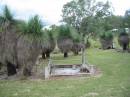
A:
[50, 10]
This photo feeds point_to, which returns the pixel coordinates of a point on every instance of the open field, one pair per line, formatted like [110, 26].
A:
[114, 82]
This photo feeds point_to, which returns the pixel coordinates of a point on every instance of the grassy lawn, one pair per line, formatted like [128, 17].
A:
[114, 82]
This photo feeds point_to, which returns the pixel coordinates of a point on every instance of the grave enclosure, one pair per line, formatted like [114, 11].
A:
[78, 70]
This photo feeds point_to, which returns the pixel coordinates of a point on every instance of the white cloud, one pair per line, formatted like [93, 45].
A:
[50, 10]
[120, 6]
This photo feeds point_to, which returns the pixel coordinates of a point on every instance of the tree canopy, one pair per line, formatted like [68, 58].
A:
[78, 12]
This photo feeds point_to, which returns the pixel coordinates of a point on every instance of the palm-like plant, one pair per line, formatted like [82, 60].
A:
[19, 49]
[65, 41]
[47, 43]
[7, 40]
[77, 42]
[106, 39]
[29, 44]
[33, 27]
[124, 40]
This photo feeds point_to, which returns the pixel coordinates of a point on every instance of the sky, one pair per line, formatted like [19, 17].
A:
[50, 10]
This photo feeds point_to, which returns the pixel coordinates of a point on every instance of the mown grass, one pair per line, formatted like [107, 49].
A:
[114, 82]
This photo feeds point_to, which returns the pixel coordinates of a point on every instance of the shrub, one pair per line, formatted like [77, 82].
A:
[124, 40]
[106, 39]
[65, 39]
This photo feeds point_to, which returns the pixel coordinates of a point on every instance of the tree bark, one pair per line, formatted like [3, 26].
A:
[124, 46]
[11, 69]
[0, 65]
[43, 56]
[48, 54]
[65, 55]
[26, 71]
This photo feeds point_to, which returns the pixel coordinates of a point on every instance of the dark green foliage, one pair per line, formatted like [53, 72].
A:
[82, 14]
[123, 32]
[6, 13]
[75, 35]
[106, 39]
[6, 18]
[64, 32]
[106, 35]
[113, 22]
[89, 25]
[33, 27]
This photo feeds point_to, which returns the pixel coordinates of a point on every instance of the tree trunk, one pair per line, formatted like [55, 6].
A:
[124, 46]
[26, 71]
[11, 69]
[0, 65]
[65, 55]
[48, 54]
[43, 56]
[16, 54]
[76, 53]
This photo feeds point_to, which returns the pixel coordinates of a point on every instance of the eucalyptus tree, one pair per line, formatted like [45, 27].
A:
[127, 19]
[75, 10]
[65, 40]
[96, 21]
[85, 15]
[72, 14]
[113, 22]
[89, 27]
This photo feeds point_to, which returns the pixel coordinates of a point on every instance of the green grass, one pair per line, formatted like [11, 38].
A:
[114, 82]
